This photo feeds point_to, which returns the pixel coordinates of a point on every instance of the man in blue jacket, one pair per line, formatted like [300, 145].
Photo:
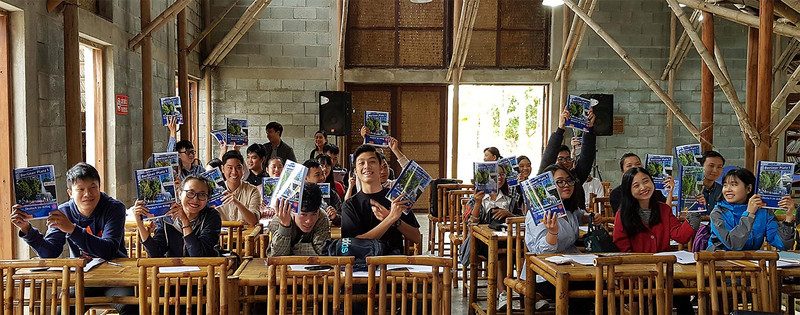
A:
[91, 223]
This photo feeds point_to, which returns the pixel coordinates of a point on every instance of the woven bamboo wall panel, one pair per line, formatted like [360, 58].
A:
[487, 15]
[421, 151]
[482, 49]
[421, 15]
[371, 13]
[379, 99]
[370, 47]
[523, 49]
[521, 14]
[420, 115]
[422, 48]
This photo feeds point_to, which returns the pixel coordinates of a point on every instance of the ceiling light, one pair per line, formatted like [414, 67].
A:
[420, 1]
[552, 3]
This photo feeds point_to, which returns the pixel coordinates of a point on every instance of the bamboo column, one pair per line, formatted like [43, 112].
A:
[751, 93]
[673, 31]
[342, 6]
[183, 79]
[206, 49]
[567, 40]
[573, 53]
[147, 85]
[636, 68]
[456, 101]
[72, 95]
[707, 88]
[565, 74]
[766, 16]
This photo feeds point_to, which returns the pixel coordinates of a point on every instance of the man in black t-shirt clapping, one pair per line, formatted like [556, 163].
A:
[369, 214]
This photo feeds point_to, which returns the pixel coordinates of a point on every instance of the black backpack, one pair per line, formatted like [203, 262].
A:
[356, 247]
[597, 239]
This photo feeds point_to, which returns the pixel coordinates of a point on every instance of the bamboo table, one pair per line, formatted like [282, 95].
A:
[489, 237]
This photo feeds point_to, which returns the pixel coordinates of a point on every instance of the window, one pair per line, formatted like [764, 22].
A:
[6, 155]
[92, 106]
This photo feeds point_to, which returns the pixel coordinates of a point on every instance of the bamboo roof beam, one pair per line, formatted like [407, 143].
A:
[581, 32]
[721, 62]
[777, 103]
[794, 4]
[345, 10]
[724, 84]
[469, 13]
[782, 125]
[241, 33]
[741, 17]
[677, 56]
[786, 56]
[159, 21]
[211, 27]
[229, 40]
[573, 28]
[636, 68]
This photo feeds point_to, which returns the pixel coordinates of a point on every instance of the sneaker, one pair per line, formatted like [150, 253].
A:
[542, 305]
[502, 301]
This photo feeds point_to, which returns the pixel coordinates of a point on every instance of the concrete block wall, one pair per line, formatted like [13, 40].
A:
[276, 70]
[642, 29]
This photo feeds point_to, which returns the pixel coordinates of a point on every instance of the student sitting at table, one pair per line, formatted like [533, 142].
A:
[91, 223]
[740, 222]
[316, 176]
[370, 215]
[326, 164]
[303, 233]
[713, 163]
[556, 153]
[242, 201]
[626, 162]
[557, 234]
[645, 225]
[525, 169]
[491, 154]
[190, 229]
[255, 164]
[274, 167]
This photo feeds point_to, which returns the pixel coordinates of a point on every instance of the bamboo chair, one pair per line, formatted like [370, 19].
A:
[450, 220]
[41, 293]
[389, 290]
[133, 245]
[456, 240]
[602, 206]
[433, 221]
[251, 238]
[305, 291]
[446, 203]
[204, 291]
[230, 237]
[606, 188]
[516, 249]
[637, 287]
[742, 283]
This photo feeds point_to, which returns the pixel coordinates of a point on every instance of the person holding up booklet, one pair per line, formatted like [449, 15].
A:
[186, 152]
[316, 176]
[712, 163]
[626, 162]
[740, 222]
[327, 169]
[303, 233]
[256, 155]
[557, 153]
[242, 200]
[190, 228]
[91, 223]
[370, 215]
[525, 168]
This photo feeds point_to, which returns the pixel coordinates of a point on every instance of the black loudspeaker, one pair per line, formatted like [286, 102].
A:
[604, 113]
[335, 109]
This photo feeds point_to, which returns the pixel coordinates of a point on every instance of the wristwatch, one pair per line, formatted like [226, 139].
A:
[397, 223]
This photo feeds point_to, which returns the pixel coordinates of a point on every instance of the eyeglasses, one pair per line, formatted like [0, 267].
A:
[565, 159]
[189, 152]
[191, 195]
[565, 183]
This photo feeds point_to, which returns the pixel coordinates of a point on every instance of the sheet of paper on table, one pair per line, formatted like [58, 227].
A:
[782, 263]
[584, 259]
[584, 228]
[89, 265]
[178, 269]
[684, 257]
[390, 267]
[789, 256]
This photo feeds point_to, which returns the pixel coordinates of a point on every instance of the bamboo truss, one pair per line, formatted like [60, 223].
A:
[158, 22]
[741, 17]
[573, 29]
[677, 55]
[636, 68]
[469, 13]
[233, 36]
[786, 56]
[210, 26]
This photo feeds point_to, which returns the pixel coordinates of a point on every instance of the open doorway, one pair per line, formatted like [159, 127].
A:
[508, 117]
[92, 109]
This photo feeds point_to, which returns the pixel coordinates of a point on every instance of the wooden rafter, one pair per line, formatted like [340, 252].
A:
[235, 34]
[721, 62]
[794, 4]
[636, 68]
[573, 28]
[573, 54]
[724, 84]
[777, 103]
[786, 56]
[158, 22]
[676, 57]
[53, 4]
[341, 49]
[741, 17]
[211, 27]
[469, 13]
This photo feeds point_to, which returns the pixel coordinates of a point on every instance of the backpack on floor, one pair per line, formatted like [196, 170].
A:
[700, 242]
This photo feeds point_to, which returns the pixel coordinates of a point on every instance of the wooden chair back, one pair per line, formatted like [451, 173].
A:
[388, 290]
[133, 245]
[251, 236]
[441, 203]
[230, 238]
[737, 281]
[606, 188]
[516, 249]
[453, 219]
[41, 293]
[634, 284]
[164, 292]
[602, 206]
[294, 289]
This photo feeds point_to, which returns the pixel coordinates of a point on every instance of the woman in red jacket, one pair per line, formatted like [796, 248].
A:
[645, 225]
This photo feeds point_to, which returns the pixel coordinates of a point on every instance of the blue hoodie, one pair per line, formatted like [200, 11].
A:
[99, 235]
[733, 229]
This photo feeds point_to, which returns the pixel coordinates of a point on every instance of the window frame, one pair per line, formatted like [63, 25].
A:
[6, 143]
[99, 109]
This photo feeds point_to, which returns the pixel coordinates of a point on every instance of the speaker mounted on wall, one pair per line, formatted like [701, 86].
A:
[335, 109]
[603, 112]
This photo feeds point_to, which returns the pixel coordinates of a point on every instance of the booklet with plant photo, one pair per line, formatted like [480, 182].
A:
[510, 169]
[578, 108]
[691, 186]
[220, 135]
[290, 186]
[156, 187]
[485, 177]
[168, 159]
[541, 196]
[35, 190]
[171, 107]
[688, 155]
[660, 168]
[267, 188]
[217, 182]
[774, 180]
[236, 131]
[412, 181]
[378, 125]
[325, 188]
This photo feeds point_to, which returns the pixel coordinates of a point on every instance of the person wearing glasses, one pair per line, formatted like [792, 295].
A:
[190, 228]
[557, 153]
[327, 168]
[242, 201]
[190, 165]
[631, 160]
